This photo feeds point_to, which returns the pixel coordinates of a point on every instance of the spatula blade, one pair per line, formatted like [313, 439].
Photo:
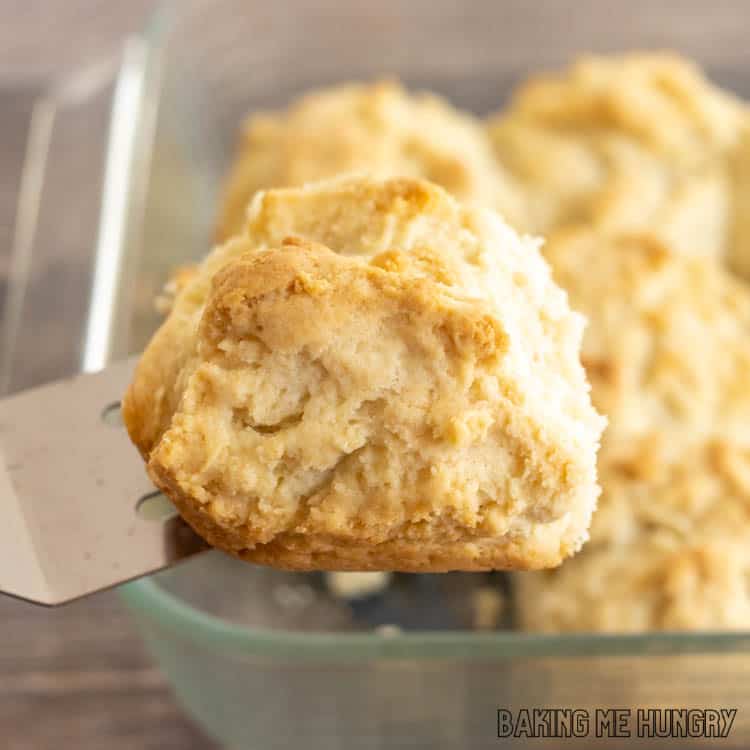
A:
[70, 483]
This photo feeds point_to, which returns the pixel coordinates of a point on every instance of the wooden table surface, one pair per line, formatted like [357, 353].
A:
[78, 677]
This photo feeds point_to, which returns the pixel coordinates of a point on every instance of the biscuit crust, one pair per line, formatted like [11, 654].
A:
[667, 351]
[638, 142]
[377, 129]
[666, 347]
[373, 377]
[668, 547]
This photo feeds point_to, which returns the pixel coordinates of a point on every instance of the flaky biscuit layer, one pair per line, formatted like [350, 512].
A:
[372, 377]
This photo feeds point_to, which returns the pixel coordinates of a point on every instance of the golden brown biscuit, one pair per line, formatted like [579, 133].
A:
[667, 346]
[668, 551]
[377, 129]
[640, 141]
[667, 351]
[641, 587]
[372, 377]
[675, 486]
[739, 256]
[178, 280]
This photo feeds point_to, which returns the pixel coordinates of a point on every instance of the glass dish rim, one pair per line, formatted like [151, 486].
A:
[149, 600]
[187, 622]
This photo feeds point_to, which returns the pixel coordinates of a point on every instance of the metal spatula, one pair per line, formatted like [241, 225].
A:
[77, 511]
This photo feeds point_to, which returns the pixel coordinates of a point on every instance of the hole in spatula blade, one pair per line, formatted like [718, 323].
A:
[112, 415]
[155, 507]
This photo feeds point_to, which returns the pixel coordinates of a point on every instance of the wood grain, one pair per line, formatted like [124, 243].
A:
[78, 677]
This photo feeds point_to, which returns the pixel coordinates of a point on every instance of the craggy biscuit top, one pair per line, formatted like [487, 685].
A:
[668, 546]
[641, 587]
[376, 129]
[661, 99]
[675, 488]
[641, 141]
[667, 342]
[372, 376]
[739, 252]
[637, 168]
[667, 351]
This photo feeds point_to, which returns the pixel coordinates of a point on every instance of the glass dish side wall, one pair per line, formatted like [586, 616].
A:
[346, 697]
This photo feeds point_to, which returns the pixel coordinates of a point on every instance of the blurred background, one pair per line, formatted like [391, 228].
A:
[79, 677]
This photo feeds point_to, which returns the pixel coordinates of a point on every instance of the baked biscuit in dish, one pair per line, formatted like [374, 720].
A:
[667, 351]
[372, 377]
[667, 346]
[739, 257]
[623, 143]
[675, 486]
[377, 129]
[640, 587]
[177, 281]
[668, 551]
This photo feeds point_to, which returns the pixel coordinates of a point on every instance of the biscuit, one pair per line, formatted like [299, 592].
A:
[377, 129]
[640, 141]
[641, 587]
[739, 257]
[673, 485]
[177, 281]
[372, 377]
[667, 343]
[667, 352]
[668, 548]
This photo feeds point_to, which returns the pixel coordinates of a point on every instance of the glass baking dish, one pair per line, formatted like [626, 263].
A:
[123, 166]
